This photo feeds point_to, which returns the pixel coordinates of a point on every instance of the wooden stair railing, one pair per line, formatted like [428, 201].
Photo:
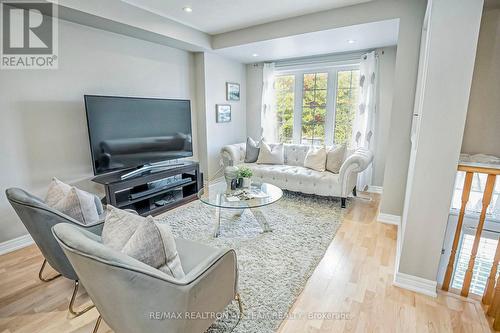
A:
[491, 295]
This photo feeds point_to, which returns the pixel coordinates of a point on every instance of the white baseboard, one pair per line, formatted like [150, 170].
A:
[389, 219]
[15, 244]
[416, 284]
[375, 189]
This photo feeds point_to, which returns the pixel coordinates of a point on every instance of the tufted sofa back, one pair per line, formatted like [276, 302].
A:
[295, 154]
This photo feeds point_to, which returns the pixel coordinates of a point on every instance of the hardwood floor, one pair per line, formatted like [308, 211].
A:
[352, 280]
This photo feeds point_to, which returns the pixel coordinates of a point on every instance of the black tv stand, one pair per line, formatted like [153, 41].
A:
[154, 192]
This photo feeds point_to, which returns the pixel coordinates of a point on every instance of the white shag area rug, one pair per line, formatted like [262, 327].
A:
[273, 267]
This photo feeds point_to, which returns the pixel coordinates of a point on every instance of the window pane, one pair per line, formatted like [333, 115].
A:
[284, 90]
[313, 126]
[346, 104]
[314, 108]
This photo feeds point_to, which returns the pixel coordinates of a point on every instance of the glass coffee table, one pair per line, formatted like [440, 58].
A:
[218, 195]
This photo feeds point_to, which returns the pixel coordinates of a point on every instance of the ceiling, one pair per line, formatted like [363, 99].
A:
[218, 16]
[365, 36]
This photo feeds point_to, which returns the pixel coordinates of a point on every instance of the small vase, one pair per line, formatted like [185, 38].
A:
[230, 173]
[247, 182]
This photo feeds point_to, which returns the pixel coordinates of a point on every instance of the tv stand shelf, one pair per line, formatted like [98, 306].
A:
[153, 192]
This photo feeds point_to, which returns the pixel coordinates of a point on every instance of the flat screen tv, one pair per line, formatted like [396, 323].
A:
[128, 132]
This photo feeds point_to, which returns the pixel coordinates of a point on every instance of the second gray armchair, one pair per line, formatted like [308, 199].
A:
[133, 297]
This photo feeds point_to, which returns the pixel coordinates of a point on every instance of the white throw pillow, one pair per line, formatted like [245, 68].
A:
[142, 239]
[315, 159]
[73, 202]
[271, 154]
[335, 157]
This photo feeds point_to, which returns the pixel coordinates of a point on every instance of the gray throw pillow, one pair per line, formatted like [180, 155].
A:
[252, 151]
[72, 201]
[143, 239]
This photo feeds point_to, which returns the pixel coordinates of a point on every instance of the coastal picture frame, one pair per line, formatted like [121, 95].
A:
[223, 113]
[232, 91]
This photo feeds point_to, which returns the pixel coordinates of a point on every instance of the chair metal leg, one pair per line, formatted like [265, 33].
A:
[40, 273]
[354, 192]
[72, 302]
[342, 202]
[98, 322]
[240, 304]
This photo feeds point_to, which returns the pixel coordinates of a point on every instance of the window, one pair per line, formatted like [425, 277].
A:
[284, 90]
[316, 107]
[346, 104]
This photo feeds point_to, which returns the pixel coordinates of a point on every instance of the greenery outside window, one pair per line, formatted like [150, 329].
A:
[316, 107]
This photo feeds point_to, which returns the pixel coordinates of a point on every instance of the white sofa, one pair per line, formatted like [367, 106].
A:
[293, 176]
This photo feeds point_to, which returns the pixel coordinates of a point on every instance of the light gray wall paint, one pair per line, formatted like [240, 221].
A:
[43, 126]
[453, 31]
[386, 83]
[482, 128]
[254, 100]
[218, 71]
[200, 91]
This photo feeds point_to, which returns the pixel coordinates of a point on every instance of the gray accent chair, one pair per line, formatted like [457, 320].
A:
[133, 297]
[38, 218]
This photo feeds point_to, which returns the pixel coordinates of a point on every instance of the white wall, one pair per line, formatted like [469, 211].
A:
[44, 132]
[216, 72]
[453, 33]
[482, 128]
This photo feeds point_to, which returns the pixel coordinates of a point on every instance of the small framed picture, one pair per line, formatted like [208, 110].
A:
[223, 113]
[232, 91]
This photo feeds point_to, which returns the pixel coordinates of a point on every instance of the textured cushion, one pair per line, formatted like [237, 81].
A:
[271, 154]
[295, 154]
[80, 205]
[334, 158]
[252, 151]
[73, 202]
[316, 159]
[57, 191]
[142, 239]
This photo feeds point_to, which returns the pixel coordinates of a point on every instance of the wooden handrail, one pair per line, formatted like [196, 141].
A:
[488, 191]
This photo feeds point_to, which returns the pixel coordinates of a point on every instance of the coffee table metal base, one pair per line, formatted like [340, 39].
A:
[256, 212]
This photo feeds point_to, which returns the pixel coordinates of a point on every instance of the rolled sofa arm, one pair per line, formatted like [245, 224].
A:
[354, 164]
[233, 154]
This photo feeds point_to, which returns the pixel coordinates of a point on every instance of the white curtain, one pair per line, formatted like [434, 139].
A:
[364, 120]
[268, 119]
